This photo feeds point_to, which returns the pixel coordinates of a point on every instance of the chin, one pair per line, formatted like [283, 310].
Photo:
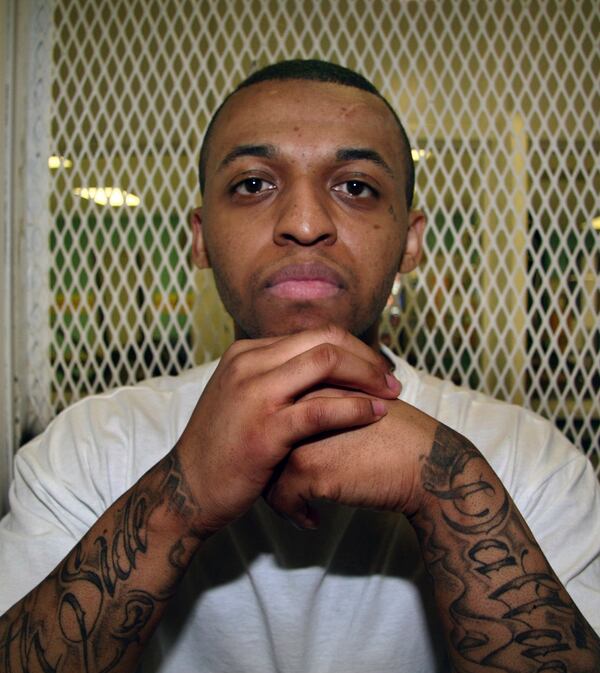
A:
[284, 328]
[302, 321]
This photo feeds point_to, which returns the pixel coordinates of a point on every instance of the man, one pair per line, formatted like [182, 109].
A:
[307, 182]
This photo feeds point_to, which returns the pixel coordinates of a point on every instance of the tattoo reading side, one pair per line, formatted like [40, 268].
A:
[100, 614]
[507, 609]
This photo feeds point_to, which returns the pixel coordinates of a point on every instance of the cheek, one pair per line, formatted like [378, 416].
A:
[377, 249]
[392, 244]
[235, 255]
[383, 262]
[227, 246]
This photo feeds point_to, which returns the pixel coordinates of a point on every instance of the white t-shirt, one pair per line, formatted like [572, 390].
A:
[261, 596]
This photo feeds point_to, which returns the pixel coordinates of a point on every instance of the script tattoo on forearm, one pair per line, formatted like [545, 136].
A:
[92, 609]
[505, 608]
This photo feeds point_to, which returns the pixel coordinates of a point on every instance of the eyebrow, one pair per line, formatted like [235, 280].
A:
[270, 151]
[262, 151]
[364, 154]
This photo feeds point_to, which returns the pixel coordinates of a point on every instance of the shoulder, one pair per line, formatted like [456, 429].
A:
[92, 452]
[525, 449]
[152, 400]
[99, 446]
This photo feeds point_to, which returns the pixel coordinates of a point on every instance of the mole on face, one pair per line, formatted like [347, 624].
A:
[392, 212]
[376, 226]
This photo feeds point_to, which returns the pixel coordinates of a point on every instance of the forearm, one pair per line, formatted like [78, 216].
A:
[502, 606]
[96, 610]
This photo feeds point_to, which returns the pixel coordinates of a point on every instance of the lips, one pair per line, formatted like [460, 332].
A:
[306, 281]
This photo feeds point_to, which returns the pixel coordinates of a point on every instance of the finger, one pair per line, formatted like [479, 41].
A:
[246, 345]
[310, 473]
[274, 351]
[331, 365]
[312, 417]
[295, 509]
[330, 391]
[290, 498]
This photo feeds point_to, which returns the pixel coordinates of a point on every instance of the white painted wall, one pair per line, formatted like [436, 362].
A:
[6, 422]
[16, 31]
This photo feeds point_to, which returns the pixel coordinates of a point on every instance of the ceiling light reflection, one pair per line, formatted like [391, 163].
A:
[418, 154]
[57, 161]
[111, 196]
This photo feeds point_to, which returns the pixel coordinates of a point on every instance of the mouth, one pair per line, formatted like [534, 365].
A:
[307, 281]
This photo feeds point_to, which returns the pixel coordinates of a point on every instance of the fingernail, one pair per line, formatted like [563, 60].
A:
[303, 523]
[378, 407]
[311, 520]
[309, 524]
[297, 521]
[392, 383]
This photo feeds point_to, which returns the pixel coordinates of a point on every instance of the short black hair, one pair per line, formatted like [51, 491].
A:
[316, 71]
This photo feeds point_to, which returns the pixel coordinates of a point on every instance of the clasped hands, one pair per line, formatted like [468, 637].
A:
[299, 418]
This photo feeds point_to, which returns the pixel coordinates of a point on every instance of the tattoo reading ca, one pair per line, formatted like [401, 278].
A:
[507, 609]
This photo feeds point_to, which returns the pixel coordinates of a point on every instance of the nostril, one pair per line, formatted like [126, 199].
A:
[308, 240]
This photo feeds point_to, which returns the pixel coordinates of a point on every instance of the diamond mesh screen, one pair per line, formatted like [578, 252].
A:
[501, 100]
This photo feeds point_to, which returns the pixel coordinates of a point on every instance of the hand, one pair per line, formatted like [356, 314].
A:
[375, 466]
[250, 416]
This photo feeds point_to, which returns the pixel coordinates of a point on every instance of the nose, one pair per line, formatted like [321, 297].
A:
[303, 218]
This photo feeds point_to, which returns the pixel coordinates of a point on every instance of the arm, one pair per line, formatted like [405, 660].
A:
[97, 609]
[502, 606]
[500, 603]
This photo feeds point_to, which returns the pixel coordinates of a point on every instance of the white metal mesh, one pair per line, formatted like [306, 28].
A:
[502, 99]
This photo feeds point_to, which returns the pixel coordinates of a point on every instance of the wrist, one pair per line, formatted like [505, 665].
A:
[179, 513]
[459, 485]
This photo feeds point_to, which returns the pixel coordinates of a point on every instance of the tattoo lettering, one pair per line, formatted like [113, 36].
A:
[21, 646]
[181, 552]
[102, 611]
[506, 608]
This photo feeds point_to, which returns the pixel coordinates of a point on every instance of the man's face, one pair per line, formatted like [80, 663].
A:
[304, 219]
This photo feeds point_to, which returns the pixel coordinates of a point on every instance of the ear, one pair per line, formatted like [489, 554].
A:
[199, 254]
[414, 241]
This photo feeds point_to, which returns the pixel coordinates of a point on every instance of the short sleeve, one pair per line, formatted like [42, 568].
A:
[87, 457]
[62, 485]
[563, 513]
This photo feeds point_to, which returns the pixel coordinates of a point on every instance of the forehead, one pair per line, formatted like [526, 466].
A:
[306, 116]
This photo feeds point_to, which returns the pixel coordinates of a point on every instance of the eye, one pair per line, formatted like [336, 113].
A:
[252, 186]
[356, 189]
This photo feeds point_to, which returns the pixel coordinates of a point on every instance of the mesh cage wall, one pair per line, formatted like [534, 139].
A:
[501, 103]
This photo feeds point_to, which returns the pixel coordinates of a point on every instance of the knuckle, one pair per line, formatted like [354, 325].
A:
[326, 356]
[333, 333]
[315, 415]
[236, 367]
[361, 407]
[294, 463]
[310, 476]
[300, 463]
[318, 483]
[322, 488]
[236, 348]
